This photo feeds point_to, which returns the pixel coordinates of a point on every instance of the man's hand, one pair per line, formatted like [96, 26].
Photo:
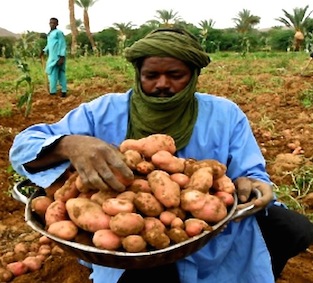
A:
[95, 161]
[61, 60]
[245, 186]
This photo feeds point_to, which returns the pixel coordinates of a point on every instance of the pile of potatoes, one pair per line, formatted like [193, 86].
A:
[168, 201]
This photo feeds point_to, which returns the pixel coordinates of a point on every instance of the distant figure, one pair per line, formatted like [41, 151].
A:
[56, 51]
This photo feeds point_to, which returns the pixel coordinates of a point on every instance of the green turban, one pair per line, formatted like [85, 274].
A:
[176, 115]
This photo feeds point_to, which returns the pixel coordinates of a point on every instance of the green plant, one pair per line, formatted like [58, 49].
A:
[302, 184]
[306, 98]
[26, 98]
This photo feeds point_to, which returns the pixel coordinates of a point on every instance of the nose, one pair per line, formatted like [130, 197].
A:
[162, 82]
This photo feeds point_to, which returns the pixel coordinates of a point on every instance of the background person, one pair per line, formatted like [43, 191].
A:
[164, 99]
[56, 51]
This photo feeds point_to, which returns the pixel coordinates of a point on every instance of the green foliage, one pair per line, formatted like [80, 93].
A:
[306, 98]
[302, 184]
[25, 78]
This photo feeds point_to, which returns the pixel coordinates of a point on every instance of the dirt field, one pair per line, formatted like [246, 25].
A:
[293, 123]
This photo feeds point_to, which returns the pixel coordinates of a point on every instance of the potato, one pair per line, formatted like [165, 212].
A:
[192, 199]
[65, 229]
[227, 198]
[153, 222]
[167, 217]
[127, 195]
[68, 190]
[201, 179]
[213, 211]
[180, 178]
[148, 204]
[40, 204]
[100, 196]
[134, 244]
[156, 238]
[177, 223]
[145, 167]
[224, 184]
[164, 189]
[55, 212]
[139, 185]
[17, 268]
[132, 158]
[33, 263]
[126, 223]
[195, 226]
[5, 275]
[113, 206]
[177, 235]
[106, 239]
[164, 160]
[87, 214]
[191, 165]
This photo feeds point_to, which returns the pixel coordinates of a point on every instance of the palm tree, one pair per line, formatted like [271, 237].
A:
[73, 26]
[79, 25]
[167, 18]
[298, 21]
[245, 21]
[205, 26]
[86, 4]
[123, 33]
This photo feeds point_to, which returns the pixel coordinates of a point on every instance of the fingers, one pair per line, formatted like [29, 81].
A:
[244, 187]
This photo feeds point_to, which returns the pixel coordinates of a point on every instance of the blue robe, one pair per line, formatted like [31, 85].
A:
[222, 132]
[56, 47]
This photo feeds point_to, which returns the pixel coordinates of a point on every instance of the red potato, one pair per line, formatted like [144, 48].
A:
[227, 198]
[113, 206]
[44, 250]
[127, 223]
[55, 212]
[164, 189]
[147, 204]
[132, 158]
[164, 160]
[177, 223]
[134, 244]
[21, 247]
[213, 211]
[40, 204]
[153, 222]
[156, 238]
[178, 211]
[201, 179]
[33, 263]
[195, 226]
[68, 190]
[65, 229]
[87, 214]
[224, 184]
[100, 196]
[177, 235]
[145, 167]
[180, 178]
[127, 195]
[139, 185]
[191, 199]
[5, 275]
[17, 268]
[191, 165]
[106, 239]
[167, 217]
[149, 145]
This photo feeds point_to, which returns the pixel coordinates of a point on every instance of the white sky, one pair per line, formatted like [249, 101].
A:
[19, 16]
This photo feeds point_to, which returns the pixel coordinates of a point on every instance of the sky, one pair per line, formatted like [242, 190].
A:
[20, 16]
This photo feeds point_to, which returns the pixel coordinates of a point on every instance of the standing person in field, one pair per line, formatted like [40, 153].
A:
[164, 99]
[56, 51]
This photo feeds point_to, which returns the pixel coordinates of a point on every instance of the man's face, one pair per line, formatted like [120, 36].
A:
[53, 24]
[164, 76]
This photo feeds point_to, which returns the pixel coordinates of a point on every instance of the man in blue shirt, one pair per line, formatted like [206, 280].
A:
[56, 50]
[164, 99]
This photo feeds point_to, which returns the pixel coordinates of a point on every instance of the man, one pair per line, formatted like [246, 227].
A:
[167, 64]
[56, 50]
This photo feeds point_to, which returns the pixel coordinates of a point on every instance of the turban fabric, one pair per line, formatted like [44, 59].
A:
[176, 115]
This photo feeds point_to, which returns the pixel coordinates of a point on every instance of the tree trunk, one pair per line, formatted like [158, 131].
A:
[298, 40]
[74, 30]
[88, 32]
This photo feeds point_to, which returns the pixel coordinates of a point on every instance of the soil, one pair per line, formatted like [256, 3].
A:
[292, 124]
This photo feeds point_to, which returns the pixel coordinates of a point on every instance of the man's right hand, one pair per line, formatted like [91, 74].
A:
[95, 161]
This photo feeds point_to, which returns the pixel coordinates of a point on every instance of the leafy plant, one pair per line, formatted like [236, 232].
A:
[302, 184]
[306, 98]
[26, 98]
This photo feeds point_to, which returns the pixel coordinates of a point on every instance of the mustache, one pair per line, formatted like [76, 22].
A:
[162, 93]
